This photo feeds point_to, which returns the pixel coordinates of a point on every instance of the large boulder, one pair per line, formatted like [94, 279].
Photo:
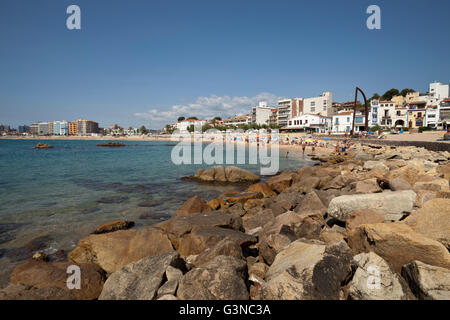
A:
[435, 184]
[112, 251]
[225, 247]
[53, 276]
[180, 226]
[398, 244]
[220, 279]
[220, 174]
[193, 205]
[432, 220]
[282, 181]
[311, 203]
[367, 186]
[427, 282]
[235, 174]
[359, 217]
[262, 188]
[392, 204]
[308, 271]
[398, 183]
[374, 280]
[23, 292]
[140, 280]
[202, 238]
[370, 165]
[284, 229]
[114, 226]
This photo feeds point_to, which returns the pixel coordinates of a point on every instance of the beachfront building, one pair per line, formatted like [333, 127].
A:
[238, 120]
[73, 128]
[23, 129]
[444, 114]
[322, 105]
[400, 116]
[34, 129]
[61, 128]
[43, 129]
[373, 113]
[261, 114]
[432, 116]
[309, 122]
[87, 127]
[288, 109]
[411, 96]
[342, 122]
[386, 110]
[185, 124]
[416, 114]
[273, 120]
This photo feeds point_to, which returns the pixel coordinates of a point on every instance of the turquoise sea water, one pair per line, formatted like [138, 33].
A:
[64, 193]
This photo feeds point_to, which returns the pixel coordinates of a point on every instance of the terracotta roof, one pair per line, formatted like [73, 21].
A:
[346, 113]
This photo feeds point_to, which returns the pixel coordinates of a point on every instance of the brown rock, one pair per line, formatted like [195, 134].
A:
[398, 244]
[114, 226]
[202, 238]
[112, 251]
[225, 247]
[281, 182]
[367, 186]
[311, 203]
[364, 216]
[262, 188]
[432, 220]
[193, 205]
[40, 274]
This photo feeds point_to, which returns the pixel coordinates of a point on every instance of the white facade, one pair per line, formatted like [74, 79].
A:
[261, 114]
[185, 124]
[432, 116]
[342, 122]
[319, 105]
[373, 114]
[310, 121]
[439, 91]
[386, 110]
[288, 109]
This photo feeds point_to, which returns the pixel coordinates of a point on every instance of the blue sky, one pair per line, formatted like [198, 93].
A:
[147, 62]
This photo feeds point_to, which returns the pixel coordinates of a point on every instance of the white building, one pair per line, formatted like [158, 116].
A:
[322, 105]
[444, 114]
[61, 128]
[261, 114]
[318, 123]
[386, 110]
[342, 122]
[373, 113]
[185, 124]
[439, 91]
[288, 109]
[432, 116]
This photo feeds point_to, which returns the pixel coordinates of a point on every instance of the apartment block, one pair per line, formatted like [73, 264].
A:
[73, 128]
[61, 128]
[322, 105]
[87, 127]
[289, 108]
[261, 114]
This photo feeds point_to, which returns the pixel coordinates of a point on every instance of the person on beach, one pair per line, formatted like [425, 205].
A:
[287, 154]
[313, 147]
[303, 148]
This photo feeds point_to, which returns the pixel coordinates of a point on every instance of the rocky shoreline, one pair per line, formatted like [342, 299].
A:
[370, 224]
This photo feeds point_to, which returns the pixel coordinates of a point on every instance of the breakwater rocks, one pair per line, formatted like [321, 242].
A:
[111, 144]
[41, 145]
[371, 224]
[221, 174]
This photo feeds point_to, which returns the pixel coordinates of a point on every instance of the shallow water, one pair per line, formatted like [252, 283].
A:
[63, 194]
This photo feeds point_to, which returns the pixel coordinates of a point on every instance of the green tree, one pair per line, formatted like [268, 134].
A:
[375, 96]
[388, 95]
[192, 118]
[180, 119]
[143, 130]
[405, 91]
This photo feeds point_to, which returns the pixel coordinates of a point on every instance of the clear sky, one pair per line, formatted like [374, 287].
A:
[147, 62]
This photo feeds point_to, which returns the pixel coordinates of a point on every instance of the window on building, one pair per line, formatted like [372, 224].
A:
[348, 119]
[313, 103]
[313, 109]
